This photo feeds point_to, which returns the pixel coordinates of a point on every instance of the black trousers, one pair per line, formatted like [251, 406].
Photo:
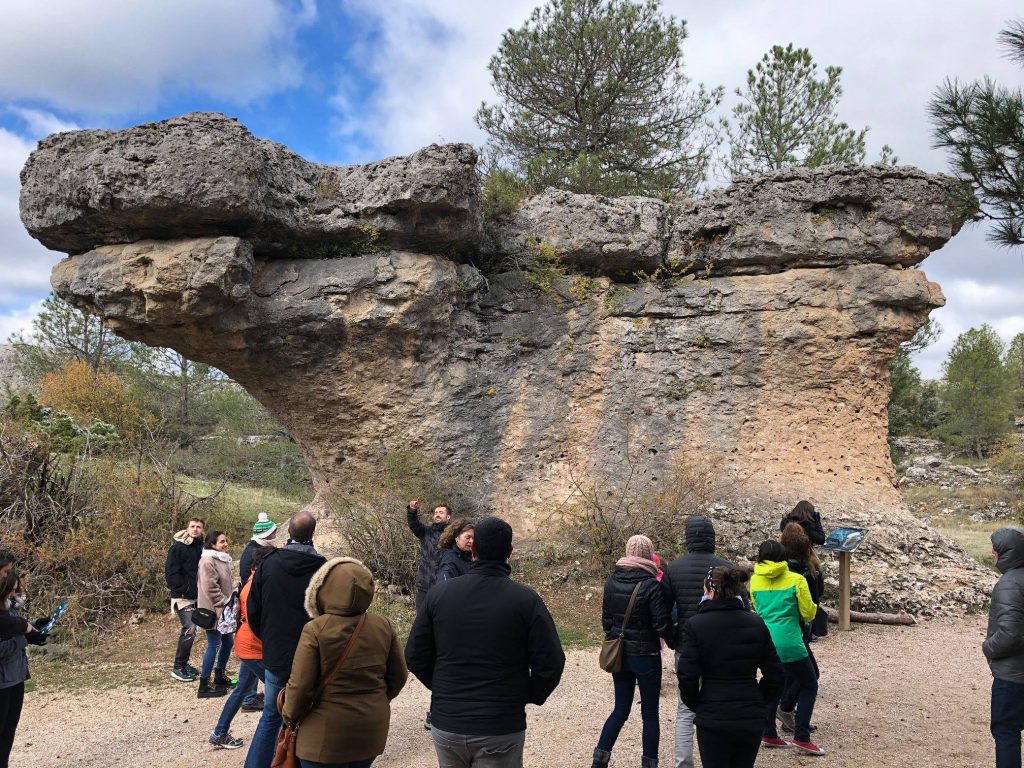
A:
[727, 749]
[11, 700]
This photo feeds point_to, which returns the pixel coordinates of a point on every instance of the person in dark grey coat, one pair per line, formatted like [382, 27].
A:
[1004, 646]
[683, 584]
[426, 569]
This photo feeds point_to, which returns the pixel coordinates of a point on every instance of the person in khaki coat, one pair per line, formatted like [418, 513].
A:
[349, 724]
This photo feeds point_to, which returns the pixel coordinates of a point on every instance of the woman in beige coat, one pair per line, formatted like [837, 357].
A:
[348, 725]
[215, 587]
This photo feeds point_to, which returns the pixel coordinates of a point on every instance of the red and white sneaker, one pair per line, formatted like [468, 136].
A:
[806, 746]
[774, 742]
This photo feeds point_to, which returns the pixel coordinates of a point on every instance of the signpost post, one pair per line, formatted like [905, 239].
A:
[843, 541]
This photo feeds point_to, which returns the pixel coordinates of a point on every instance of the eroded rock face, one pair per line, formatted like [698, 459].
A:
[763, 355]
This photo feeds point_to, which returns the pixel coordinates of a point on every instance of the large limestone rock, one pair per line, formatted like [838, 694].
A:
[359, 319]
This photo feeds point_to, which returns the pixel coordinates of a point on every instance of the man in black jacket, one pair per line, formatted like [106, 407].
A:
[683, 583]
[486, 647]
[276, 614]
[1004, 646]
[181, 572]
[426, 569]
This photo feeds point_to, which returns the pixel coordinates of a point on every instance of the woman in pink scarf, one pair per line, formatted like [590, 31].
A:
[635, 577]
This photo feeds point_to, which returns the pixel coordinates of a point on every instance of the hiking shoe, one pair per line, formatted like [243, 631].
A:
[788, 719]
[207, 691]
[183, 674]
[192, 671]
[256, 706]
[774, 742]
[227, 741]
[806, 746]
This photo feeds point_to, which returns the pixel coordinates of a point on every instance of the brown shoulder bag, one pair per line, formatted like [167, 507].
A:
[284, 754]
[613, 649]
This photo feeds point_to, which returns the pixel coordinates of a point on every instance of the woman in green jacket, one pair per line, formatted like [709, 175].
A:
[783, 600]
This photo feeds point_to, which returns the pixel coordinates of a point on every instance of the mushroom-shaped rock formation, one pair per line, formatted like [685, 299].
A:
[748, 331]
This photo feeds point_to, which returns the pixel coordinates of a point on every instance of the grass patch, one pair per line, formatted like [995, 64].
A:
[972, 536]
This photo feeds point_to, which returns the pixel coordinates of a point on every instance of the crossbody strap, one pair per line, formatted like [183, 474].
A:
[337, 665]
[629, 606]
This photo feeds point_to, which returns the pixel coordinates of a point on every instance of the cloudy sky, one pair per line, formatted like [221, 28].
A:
[346, 81]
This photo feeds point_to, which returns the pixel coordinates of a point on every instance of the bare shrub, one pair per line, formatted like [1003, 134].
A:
[372, 513]
[603, 512]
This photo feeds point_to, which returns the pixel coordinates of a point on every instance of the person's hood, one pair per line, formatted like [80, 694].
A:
[1009, 545]
[342, 586]
[224, 557]
[182, 537]
[770, 569]
[700, 535]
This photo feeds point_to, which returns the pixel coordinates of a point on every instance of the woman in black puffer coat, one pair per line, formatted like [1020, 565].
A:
[720, 651]
[650, 621]
[456, 548]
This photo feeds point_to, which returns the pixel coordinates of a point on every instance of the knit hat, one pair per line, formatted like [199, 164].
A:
[639, 546]
[264, 527]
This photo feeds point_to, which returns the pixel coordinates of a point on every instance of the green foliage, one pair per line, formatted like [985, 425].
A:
[593, 99]
[981, 127]
[60, 334]
[977, 394]
[914, 406]
[276, 464]
[1015, 367]
[787, 116]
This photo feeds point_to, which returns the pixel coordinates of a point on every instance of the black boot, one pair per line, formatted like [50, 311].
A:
[601, 758]
[221, 679]
[648, 762]
[207, 691]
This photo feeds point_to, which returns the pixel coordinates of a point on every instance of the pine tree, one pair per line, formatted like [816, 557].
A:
[978, 392]
[981, 126]
[788, 116]
[593, 99]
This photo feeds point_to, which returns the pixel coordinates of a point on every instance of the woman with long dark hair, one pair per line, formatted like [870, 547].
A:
[809, 519]
[783, 600]
[215, 587]
[13, 664]
[722, 648]
[635, 579]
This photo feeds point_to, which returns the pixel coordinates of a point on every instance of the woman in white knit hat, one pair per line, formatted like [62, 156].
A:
[264, 534]
[633, 589]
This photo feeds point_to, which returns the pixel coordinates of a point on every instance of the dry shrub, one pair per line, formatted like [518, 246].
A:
[92, 532]
[87, 395]
[603, 512]
[372, 513]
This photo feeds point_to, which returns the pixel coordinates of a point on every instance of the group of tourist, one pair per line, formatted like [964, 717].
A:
[486, 646]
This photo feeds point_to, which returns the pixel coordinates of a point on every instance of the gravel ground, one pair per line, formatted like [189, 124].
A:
[889, 697]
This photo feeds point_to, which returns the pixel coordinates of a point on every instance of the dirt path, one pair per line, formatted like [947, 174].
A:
[889, 697]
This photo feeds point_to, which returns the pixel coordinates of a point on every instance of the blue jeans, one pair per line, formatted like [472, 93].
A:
[643, 672]
[1007, 721]
[355, 764]
[215, 642]
[264, 741]
[802, 675]
[248, 673]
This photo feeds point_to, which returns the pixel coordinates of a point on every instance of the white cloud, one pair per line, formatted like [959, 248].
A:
[110, 56]
[41, 124]
[18, 320]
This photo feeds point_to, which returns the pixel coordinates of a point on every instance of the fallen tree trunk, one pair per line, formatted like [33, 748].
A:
[897, 619]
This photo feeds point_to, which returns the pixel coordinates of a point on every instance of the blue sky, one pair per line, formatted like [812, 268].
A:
[343, 81]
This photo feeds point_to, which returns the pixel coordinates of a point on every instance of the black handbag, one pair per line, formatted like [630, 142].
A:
[204, 618]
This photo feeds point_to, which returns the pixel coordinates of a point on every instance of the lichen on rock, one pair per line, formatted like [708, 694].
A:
[766, 348]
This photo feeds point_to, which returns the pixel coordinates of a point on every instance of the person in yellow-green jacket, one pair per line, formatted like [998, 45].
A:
[782, 599]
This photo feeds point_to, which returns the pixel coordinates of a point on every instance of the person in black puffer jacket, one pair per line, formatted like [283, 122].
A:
[809, 519]
[649, 622]
[684, 586]
[426, 569]
[721, 649]
[456, 548]
[1004, 645]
